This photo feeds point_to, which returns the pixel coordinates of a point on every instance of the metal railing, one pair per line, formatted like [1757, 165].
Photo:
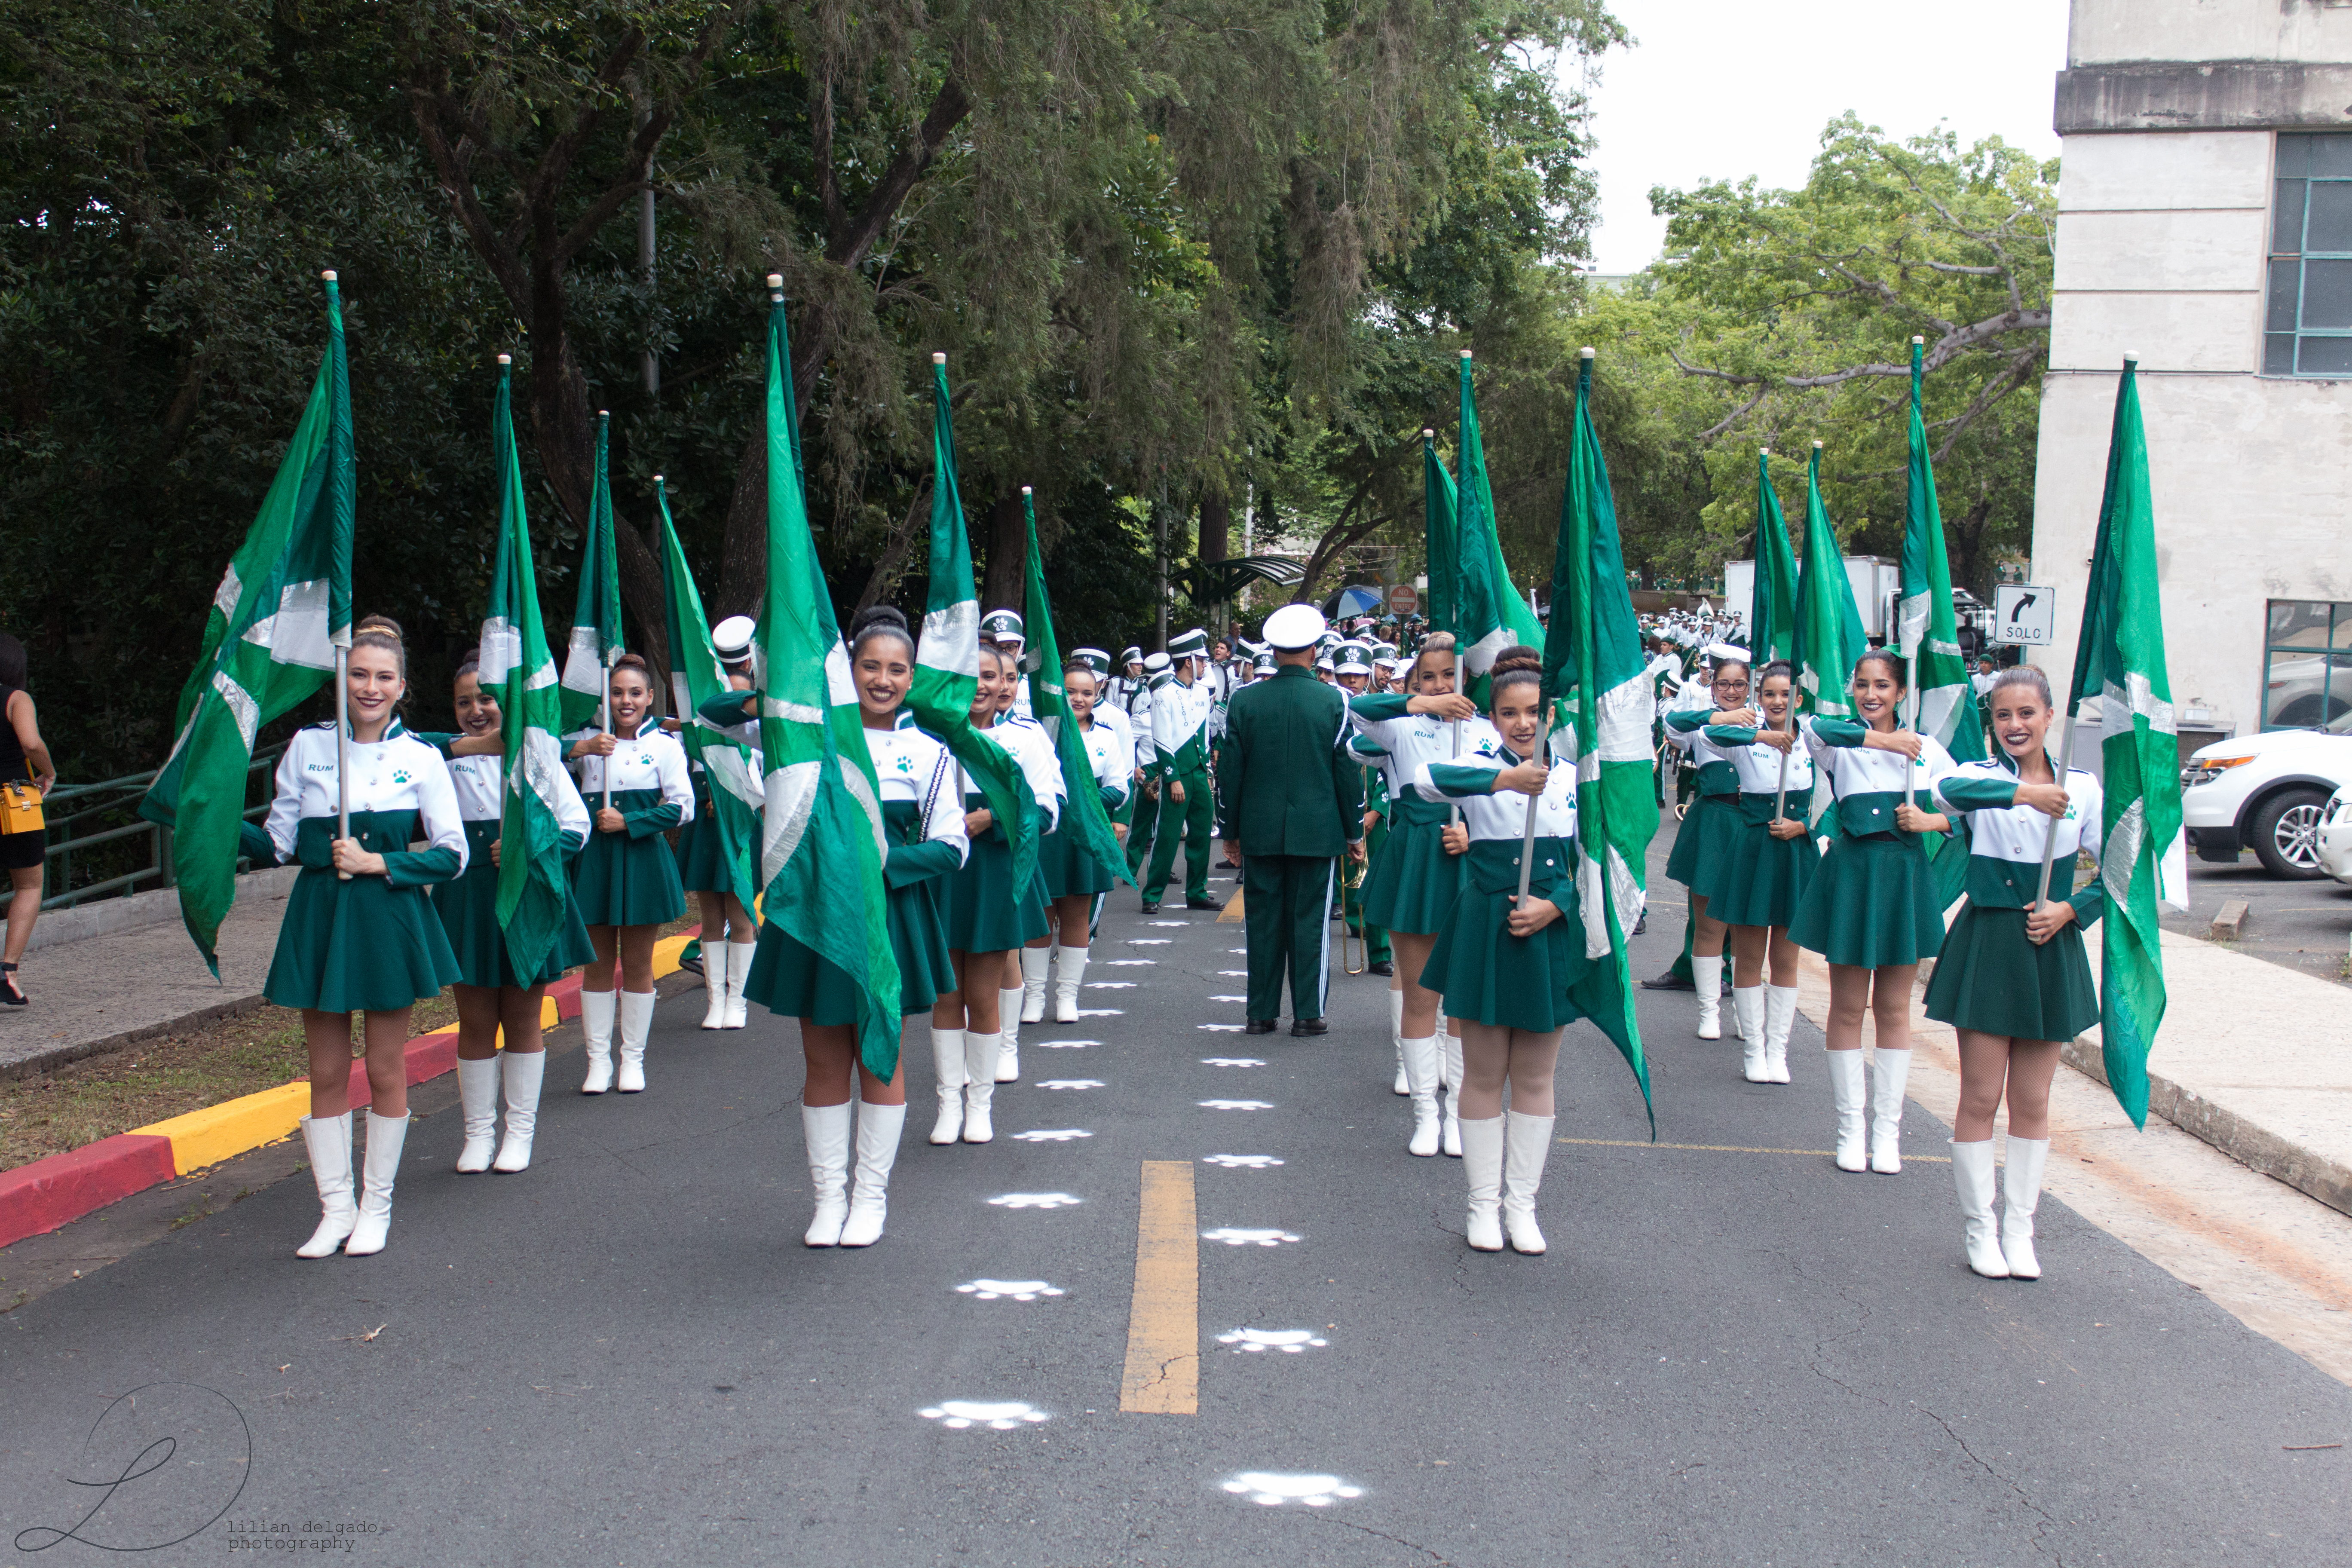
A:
[106, 813]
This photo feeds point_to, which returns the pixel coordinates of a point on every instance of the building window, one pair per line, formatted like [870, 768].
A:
[2306, 663]
[2307, 330]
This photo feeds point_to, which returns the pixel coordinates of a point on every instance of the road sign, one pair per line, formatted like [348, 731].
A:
[2023, 613]
[1403, 600]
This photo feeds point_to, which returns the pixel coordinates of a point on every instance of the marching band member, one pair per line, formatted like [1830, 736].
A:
[636, 783]
[730, 934]
[1710, 830]
[1871, 908]
[491, 997]
[1038, 759]
[1771, 865]
[1179, 765]
[2011, 976]
[1147, 814]
[1504, 968]
[1075, 879]
[359, 933]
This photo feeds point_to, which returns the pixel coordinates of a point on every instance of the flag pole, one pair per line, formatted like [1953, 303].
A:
[342, 723]
[1527, 838]
[605, 699]
[1911, 665]
[1454, 811]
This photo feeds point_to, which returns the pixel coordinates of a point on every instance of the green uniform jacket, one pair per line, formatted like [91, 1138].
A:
[1288, 787]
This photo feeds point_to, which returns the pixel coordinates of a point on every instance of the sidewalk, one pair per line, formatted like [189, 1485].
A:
[100, 992]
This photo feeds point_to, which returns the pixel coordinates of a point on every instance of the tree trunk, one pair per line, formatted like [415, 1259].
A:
[1216, 541]
[1006, 586]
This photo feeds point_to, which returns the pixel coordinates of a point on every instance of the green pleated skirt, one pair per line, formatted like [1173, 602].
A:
[791, 980]
[1989, 977]
[1703, 844]
[1069, 871]
[1413, 882]
[468, 909]
[1489, 976]
[1872, 903]
[358, 946]
[1767, 877]
[984, 913]
[708, 854]
[619, 881]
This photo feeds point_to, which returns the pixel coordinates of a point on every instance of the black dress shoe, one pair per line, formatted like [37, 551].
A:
[1384, 971]
[1153, 909]
[1670, 981]
[1308, 1027]
[1202, 904]
[1642, 922]
[1262, 1026]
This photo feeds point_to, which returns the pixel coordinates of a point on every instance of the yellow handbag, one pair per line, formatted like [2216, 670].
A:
[20, 809]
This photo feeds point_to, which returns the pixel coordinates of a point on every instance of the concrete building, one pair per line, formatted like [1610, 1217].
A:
[2205, 222]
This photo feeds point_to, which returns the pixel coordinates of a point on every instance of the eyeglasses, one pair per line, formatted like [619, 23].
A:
[1731, 686]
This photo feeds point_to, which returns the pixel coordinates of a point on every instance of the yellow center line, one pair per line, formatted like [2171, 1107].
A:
[1731, 1149]
[1232, 913]
[1163, 1325]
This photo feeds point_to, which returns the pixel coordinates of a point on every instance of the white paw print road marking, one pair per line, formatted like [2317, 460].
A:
[1051, 1135]
[1290, 1341]
[1072, 1083]
[1232, 1062]
[1110, 984]
[1134, 964]
[1228, 998]
[1273, 1491]
[1147, 941]
[1235, 973]
[1233, 1235]
[997, 1414]
[1035, 1201]
[1063, 1044]
[1237, 951]
[1009, 1290]
[1244, 1162]
[1180, 925]
[1236, 1104]
[1102, 1012]
[1220, 1029]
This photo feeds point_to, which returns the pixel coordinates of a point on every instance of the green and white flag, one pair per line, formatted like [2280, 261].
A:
[1592, 659]
[1082, 816]
[2120, 660]
[1437, 510]
[696, 676]
[1927, 632]
[947, 658]
[283, 607]
[822, 845]
[1772, 608]
[596, 639]
[1829, 636]
[1489, 615]
[520, 672]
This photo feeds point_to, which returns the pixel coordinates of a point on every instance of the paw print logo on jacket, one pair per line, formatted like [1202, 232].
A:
[906, 763]
[400, 775]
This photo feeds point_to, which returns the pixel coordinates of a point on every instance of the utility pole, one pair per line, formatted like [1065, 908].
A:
[1160, 566]
[646, 257]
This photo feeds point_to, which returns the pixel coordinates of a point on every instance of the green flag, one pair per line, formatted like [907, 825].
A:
[1772, 609]
[2120, 660]
[1829, 636]
[947, 658]
[518, 671]
[821, 842]
[1437, 508]
[1593, 658]
[696, 676]
[1082, 816]
[1489, 614]
[282, 609]
[1927, 632]
[596, 621]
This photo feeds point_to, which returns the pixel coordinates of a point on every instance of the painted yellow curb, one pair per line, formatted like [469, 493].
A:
[206, 1137]
[666, 954]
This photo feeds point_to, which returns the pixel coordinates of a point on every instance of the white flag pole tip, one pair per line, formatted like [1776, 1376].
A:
[775, 279]
[1427, 434]
[2131, 356]
[1465, 353]
[657, 478]
[1584, 353]
[329, 275]
[1921, 342]
[1024, 489]
[1817, 445]
[938, 359]
[505, 359]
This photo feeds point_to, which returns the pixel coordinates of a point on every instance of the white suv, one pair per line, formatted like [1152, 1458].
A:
[2268, 792]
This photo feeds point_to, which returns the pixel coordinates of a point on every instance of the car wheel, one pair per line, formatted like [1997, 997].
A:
[2286, 833]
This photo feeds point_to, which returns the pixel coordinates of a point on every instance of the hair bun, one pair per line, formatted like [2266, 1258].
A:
[1516, 657]
[878, 614]
[382, 625]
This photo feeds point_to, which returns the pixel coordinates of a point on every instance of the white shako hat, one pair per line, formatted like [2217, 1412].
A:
[1718, 653]
[730, 639]
[1002, 626]
[1354, 659]
[1294, 627]
[1154, 663]
[1194, 644]
[1264, 663]
[1094, 659]
[1131, 655]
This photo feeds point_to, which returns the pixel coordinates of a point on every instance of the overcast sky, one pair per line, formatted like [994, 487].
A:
[1726, 88]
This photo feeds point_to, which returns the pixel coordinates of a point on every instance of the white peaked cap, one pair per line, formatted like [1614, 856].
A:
[1295, 626]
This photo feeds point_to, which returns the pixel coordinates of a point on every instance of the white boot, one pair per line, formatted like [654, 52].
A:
[1482, 1162]
[1036, 964]
[1747, 1008]
[1527, 1144]
[522, 1071]
[2020, 1190]
[1708, 975]
[1396, 1033]
[1421, 1071]
[597, 1023]
[738, 974]
[637, 1022]
[826, 1129]
[329, 1141]
[1972, 1178]
[1846, 1079]
[385, 1135]
[1073, 962]
[714, 980]
[980, 1058]
[947, 1057]
[1780, 1018]
[878, 1127]
[478, 1101]
[1889, 1071]
[1449, 1056]
[1008, 1024]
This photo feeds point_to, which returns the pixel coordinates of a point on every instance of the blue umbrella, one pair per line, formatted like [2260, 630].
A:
[1356, 600]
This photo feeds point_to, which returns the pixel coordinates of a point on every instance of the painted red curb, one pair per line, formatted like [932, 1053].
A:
[61, 1188]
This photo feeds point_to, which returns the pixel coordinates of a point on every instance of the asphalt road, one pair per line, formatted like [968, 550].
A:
[1732, 1354]
[2300, 925]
